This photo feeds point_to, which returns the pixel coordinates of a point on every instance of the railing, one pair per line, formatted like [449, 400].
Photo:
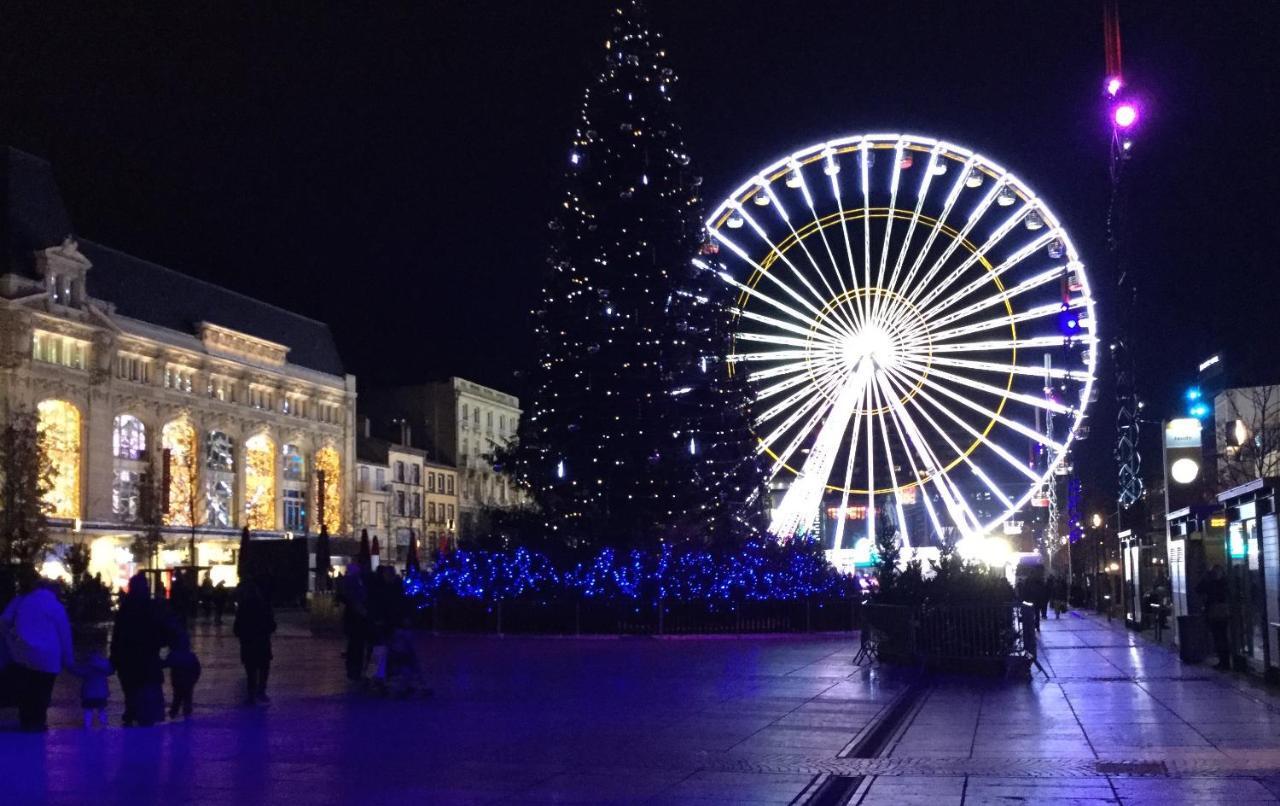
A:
[952, 637]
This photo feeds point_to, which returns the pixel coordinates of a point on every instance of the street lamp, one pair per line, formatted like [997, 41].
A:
[1096, 520]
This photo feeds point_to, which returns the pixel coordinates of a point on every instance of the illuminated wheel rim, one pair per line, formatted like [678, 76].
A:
[916, 328]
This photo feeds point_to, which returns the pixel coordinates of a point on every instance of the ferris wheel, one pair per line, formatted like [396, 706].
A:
[917, 331]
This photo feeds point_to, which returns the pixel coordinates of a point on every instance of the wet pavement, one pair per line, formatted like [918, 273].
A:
[771, 719]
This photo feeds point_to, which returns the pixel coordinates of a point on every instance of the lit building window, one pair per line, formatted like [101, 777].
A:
[179, 439]
[58, 426]
[220, 463]
[295, 510]
[125, 486]
[179, 378]
[128, 438]
[295, 468]
[326, 461]
[133, 368]
[54, 348]
[260, 482]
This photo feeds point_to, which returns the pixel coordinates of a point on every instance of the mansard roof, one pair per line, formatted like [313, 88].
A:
[33, 217]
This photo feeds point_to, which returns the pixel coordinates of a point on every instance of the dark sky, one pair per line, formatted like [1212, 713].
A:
[389, 167]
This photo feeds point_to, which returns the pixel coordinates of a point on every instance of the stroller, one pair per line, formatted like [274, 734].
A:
[403, 673]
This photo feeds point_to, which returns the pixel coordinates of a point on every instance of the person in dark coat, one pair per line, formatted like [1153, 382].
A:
[355, 619]
[184, 671]
[136, 640]
[1217, 611]
[255, 622]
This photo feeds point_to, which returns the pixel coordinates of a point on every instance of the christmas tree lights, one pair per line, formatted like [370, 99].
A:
[635, 433]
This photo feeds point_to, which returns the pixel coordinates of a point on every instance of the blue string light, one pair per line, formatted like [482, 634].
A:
[758, 571]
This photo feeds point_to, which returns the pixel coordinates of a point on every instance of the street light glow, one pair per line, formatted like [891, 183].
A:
[1125, 115]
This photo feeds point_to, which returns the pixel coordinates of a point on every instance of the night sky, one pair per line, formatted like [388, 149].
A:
[390, 167]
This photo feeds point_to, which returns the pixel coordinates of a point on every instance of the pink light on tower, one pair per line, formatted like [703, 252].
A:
[1124, 115]
[1113, 86]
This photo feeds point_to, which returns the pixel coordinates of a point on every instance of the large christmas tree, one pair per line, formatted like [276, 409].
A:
[632, 435]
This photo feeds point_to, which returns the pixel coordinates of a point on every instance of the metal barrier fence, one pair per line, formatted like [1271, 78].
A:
[953, 637]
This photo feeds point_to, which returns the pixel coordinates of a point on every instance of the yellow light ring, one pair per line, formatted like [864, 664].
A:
[898, 214]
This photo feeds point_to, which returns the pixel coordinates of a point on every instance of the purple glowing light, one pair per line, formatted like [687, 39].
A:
[1125, 115]
[1113, 86]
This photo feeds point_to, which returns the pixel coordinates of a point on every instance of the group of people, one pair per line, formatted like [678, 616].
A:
[36, 645]
[375, 619]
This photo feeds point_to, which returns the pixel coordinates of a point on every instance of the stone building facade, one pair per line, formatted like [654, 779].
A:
[143, 378]
[463, 423]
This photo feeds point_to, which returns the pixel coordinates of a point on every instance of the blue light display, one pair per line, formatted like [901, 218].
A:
[756, 571]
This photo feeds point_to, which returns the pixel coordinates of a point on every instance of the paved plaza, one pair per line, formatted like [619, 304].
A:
[772, 719]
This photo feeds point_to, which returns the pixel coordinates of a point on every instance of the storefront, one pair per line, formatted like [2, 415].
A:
[1145, 588]
[1196, 542]
[1252, 563]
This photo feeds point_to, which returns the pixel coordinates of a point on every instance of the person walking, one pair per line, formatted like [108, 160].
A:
[355, 619]
[94, 688]
[255, 622]
[184, 671]
[37, 635]
[1217, 612]
[138, 636]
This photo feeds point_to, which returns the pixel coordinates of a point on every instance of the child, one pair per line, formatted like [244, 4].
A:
[93, 674]
[184, 671]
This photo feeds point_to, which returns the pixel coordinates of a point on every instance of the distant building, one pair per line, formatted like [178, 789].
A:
[131, 366]
[462, 423]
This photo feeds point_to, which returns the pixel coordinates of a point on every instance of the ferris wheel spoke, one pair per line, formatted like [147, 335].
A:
[976, 434]
[1031, 314]
[804, 497]
[1016, 369]
[778, 323]
[978, 254]
[843, 512]
[888, 454]
[934, 156]
[1029, 433]
[963, 455]
[855, 304]
[864, 163]
[1012, 344]
[822, 233]
[769, 338]
[821, 322]
[939, 223]
[894, 180]
[824, 383]
[1000, 296]
[915, 470]
[1030, 400]
[780, 255]
[955, 503]
[992, 275]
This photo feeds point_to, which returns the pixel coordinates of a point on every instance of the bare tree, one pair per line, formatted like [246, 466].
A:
[1248, 434]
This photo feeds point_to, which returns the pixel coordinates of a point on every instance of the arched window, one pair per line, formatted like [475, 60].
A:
[128, 438]
[219, 451]
[260, 482]
[326, 462]
[220, 464]
[179, 439]
[58, 426]
[295, 468]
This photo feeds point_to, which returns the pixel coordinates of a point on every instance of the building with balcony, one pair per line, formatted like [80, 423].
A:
[399, 494]
[463, 423]
[140, 375]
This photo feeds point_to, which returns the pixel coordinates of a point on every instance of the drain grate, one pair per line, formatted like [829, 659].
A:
[1132, 768]
[836, 790]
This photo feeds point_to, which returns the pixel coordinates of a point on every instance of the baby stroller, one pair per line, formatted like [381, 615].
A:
[404, 673]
